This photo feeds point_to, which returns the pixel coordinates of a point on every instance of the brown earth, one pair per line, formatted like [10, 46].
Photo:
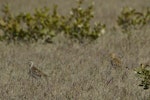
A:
[77, 71]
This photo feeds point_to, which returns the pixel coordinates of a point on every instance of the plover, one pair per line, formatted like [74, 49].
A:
[115, 61]
[35, 72]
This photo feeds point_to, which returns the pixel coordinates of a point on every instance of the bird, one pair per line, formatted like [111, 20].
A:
[35, 72]
[115, 61]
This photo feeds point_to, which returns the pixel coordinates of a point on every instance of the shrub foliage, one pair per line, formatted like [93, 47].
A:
[41, 25]
[30, 27]
[131, 19]
[143, 73]
[78, 23]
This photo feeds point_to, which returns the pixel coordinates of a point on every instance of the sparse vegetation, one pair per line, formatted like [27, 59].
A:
[41, 25]
[143, 72]
[100, 70]
[30, 27]
[130, 19]
[78, 23]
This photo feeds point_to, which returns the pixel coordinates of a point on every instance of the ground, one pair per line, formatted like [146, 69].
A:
[77, 71]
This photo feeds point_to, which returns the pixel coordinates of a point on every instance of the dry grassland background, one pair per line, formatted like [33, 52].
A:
[77, 71]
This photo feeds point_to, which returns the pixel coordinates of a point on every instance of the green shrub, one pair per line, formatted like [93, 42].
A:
[41, 25]
[78, 23]
[30, 27]
[130, 19]
[143, 73]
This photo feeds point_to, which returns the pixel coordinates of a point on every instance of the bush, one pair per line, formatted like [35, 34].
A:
[30, 27]
[130, 19]
[143, 73]
[78, 23]
[41, 25]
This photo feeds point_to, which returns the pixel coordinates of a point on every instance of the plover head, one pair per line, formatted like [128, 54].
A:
[30, 63]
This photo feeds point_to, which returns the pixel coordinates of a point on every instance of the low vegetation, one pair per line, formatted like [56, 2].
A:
[73, 68]
[130, 19]
[41, 25]
[143, 73]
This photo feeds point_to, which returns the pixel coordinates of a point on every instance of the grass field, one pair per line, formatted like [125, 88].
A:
[77, 71]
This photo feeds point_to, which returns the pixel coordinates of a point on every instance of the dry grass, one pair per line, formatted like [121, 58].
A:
[77, 71]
